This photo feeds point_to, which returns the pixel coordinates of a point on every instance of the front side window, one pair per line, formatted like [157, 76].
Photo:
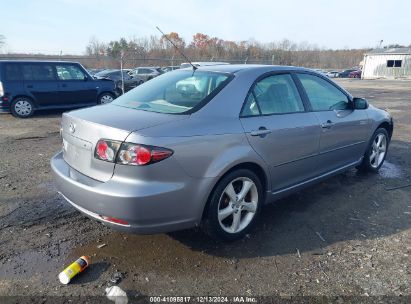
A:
[323, 95]
[69, 72]
[174, 92]
[275, 94]
[43, 72]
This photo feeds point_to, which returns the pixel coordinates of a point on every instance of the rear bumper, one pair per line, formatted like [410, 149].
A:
[4, 106]
[147, 207]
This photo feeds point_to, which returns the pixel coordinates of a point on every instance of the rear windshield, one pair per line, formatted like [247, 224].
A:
[175, 92]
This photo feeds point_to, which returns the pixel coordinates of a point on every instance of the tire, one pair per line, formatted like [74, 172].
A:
[241, 213]
[372, 160]
[105, 98]
[22, 107]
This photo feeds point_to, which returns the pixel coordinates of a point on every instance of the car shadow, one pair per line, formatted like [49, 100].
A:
[349, 206]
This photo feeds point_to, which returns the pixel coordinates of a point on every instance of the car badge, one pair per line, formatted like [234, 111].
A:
[72, 128]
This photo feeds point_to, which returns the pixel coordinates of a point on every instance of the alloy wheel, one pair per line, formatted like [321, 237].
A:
[238, 205]
[378, 150]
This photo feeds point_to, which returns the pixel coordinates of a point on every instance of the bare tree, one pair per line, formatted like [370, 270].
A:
[2, 41]
[95, 47]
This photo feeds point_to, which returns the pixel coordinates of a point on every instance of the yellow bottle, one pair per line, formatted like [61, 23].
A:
[75, 268]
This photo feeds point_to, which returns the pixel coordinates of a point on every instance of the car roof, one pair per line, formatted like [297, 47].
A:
[37, 61]
[235, 68]
[146, 68]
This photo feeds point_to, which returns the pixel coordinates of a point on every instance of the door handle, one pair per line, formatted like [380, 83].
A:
[327, 125]
[64, 85]
[29, 86]
[262, 131]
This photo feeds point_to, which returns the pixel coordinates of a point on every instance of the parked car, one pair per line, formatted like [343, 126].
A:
[201, 63]
[332, 74]
[130, 82]
[146, 73]
[322, 72]
[170, 68]
[345, 73]
[26, 86]
[355, 74]
[163, 158]
[92, 72]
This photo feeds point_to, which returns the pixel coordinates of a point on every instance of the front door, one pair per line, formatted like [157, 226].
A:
[281, 131]
[75, 87]
[343, 129]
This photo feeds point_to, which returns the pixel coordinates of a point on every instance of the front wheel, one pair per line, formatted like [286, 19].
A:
[234, 205]
[377, 151]
[105, 98]
[22, 107]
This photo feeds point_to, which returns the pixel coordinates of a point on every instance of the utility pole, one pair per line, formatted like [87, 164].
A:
[121, 71]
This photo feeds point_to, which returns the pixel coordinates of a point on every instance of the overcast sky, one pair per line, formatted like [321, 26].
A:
[67, 25]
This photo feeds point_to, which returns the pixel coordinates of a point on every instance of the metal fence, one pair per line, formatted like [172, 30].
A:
[133, 62]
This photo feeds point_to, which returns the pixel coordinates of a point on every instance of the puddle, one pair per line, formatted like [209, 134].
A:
[389, 170]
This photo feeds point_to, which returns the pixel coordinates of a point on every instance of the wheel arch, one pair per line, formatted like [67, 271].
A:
[250, 165]
[105, 92]
[24, 96]
[388, 126]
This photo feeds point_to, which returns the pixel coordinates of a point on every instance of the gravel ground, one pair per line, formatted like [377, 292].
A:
[348, 236]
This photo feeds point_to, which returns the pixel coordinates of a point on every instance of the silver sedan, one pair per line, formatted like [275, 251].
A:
[211, 146]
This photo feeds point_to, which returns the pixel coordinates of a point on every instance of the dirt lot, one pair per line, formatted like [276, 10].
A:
[347, 236]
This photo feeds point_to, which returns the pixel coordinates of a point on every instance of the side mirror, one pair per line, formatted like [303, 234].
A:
[360, 103]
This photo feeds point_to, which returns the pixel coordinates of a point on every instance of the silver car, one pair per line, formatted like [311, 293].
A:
[210, 147]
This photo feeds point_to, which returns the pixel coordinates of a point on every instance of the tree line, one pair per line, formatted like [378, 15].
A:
[157, 50]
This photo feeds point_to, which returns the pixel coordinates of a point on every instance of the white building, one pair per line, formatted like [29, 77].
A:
[387, 63]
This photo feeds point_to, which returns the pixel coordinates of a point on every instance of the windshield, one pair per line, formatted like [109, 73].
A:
[175, 92]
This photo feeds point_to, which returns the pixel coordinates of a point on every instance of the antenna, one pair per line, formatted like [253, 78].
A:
[182, 54]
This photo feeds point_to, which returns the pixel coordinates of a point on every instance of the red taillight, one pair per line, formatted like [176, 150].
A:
[129, 154]
[102, 149]
[106, 150]
[143, 156]
[140, 155]
[160, 154]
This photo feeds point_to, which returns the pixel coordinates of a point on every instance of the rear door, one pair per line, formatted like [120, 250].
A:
[281, 131]
[40, 83]
[75, 86]
[343, 129]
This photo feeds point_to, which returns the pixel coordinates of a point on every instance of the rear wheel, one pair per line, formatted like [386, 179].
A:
[234, 205]
[105, 98]
[22, 107]
[375, 155]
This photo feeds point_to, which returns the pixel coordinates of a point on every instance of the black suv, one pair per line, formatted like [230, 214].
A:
[26, 86]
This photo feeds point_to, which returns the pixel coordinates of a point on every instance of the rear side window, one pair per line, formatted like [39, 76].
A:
[69, 72]
[275, 94]
[323, 95]
[38, 72]
[12, 72]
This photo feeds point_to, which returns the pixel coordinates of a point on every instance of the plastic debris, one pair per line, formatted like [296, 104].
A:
[116, 294]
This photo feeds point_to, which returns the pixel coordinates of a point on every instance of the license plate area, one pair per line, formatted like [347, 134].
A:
[77, 152]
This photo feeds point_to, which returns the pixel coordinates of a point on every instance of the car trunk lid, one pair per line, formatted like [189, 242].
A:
[81, 130]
